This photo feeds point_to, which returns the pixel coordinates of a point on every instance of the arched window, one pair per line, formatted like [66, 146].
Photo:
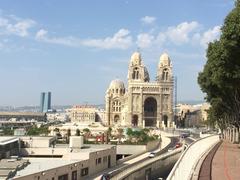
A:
[116, 106]
[135, 73]
[165, 74]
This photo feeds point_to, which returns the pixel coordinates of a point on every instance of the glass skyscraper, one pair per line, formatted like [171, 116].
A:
[45, 101]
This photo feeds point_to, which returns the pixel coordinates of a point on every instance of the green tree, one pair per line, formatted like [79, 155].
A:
[109, 132]
[220, 78]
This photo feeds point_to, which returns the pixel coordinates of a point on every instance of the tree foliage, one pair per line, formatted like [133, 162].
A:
[35, 131]
[220, 79]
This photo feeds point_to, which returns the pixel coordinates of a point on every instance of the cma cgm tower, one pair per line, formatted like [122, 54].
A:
[45, 101]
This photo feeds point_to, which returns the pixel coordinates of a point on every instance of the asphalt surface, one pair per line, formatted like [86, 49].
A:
[113, 171]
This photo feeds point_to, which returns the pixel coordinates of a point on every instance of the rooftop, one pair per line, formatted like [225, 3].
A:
[8, 167]
[39, 164]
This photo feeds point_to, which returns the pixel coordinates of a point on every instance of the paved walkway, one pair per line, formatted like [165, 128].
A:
[226, 162]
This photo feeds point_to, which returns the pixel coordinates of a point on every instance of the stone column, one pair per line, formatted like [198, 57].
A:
[143, 124]
[140, 119]
[129, 117]
[163, 125]
[158, 123]
[108, 110]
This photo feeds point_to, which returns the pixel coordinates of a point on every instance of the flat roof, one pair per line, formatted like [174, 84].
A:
[42, 164]
[10, 165]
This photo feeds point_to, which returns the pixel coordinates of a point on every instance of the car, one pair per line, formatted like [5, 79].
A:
[178, 145]
[171, 149]
[105, 176]
[152, 154]
[185, 135]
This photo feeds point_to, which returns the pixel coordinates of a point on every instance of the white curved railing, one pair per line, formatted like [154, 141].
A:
[184, 168]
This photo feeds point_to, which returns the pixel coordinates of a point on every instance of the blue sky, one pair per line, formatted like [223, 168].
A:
[75, 48]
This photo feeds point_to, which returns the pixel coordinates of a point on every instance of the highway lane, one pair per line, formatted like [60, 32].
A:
[136, 160]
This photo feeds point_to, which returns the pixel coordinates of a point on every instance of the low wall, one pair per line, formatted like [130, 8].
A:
[186, 164]
[130, 149]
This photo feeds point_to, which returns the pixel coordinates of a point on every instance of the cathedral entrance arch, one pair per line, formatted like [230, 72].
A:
[116, 118]
[135, 120]
[150, 112]
[165, 120]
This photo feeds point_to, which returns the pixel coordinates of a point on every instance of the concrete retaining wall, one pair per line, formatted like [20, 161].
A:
[186, 164]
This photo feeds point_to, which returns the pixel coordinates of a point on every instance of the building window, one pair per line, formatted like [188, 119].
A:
[84, 171]
[165, 75]
[99, 160]
[104, 159]
[135, 73]
[63, 177]
[74, 175]
[116, 106]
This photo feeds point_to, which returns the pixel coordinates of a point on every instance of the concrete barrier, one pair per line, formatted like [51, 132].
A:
[185, 166]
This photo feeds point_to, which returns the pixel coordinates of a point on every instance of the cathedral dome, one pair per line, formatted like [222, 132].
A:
[136, 58]
[117, 84]
[164, 60]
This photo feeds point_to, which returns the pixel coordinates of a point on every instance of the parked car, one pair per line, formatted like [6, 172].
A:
[152, 154]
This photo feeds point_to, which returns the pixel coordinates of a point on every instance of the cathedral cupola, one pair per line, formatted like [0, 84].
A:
[117, 87]
[164, 68]
[164, 60]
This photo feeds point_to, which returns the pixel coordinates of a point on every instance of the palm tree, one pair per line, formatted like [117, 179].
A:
[120, 134]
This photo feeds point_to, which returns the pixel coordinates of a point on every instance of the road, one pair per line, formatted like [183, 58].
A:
[136, 160]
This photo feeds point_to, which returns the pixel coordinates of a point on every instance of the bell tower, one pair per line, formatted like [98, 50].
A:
[136, 70]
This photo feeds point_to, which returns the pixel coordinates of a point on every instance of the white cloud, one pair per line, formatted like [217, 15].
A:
[42, 35]
[15, 26]
[210, 35]
[177, 35]
[180, 33]
[144, 40]
[184, 33]
[148, 20]
[120, 40]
